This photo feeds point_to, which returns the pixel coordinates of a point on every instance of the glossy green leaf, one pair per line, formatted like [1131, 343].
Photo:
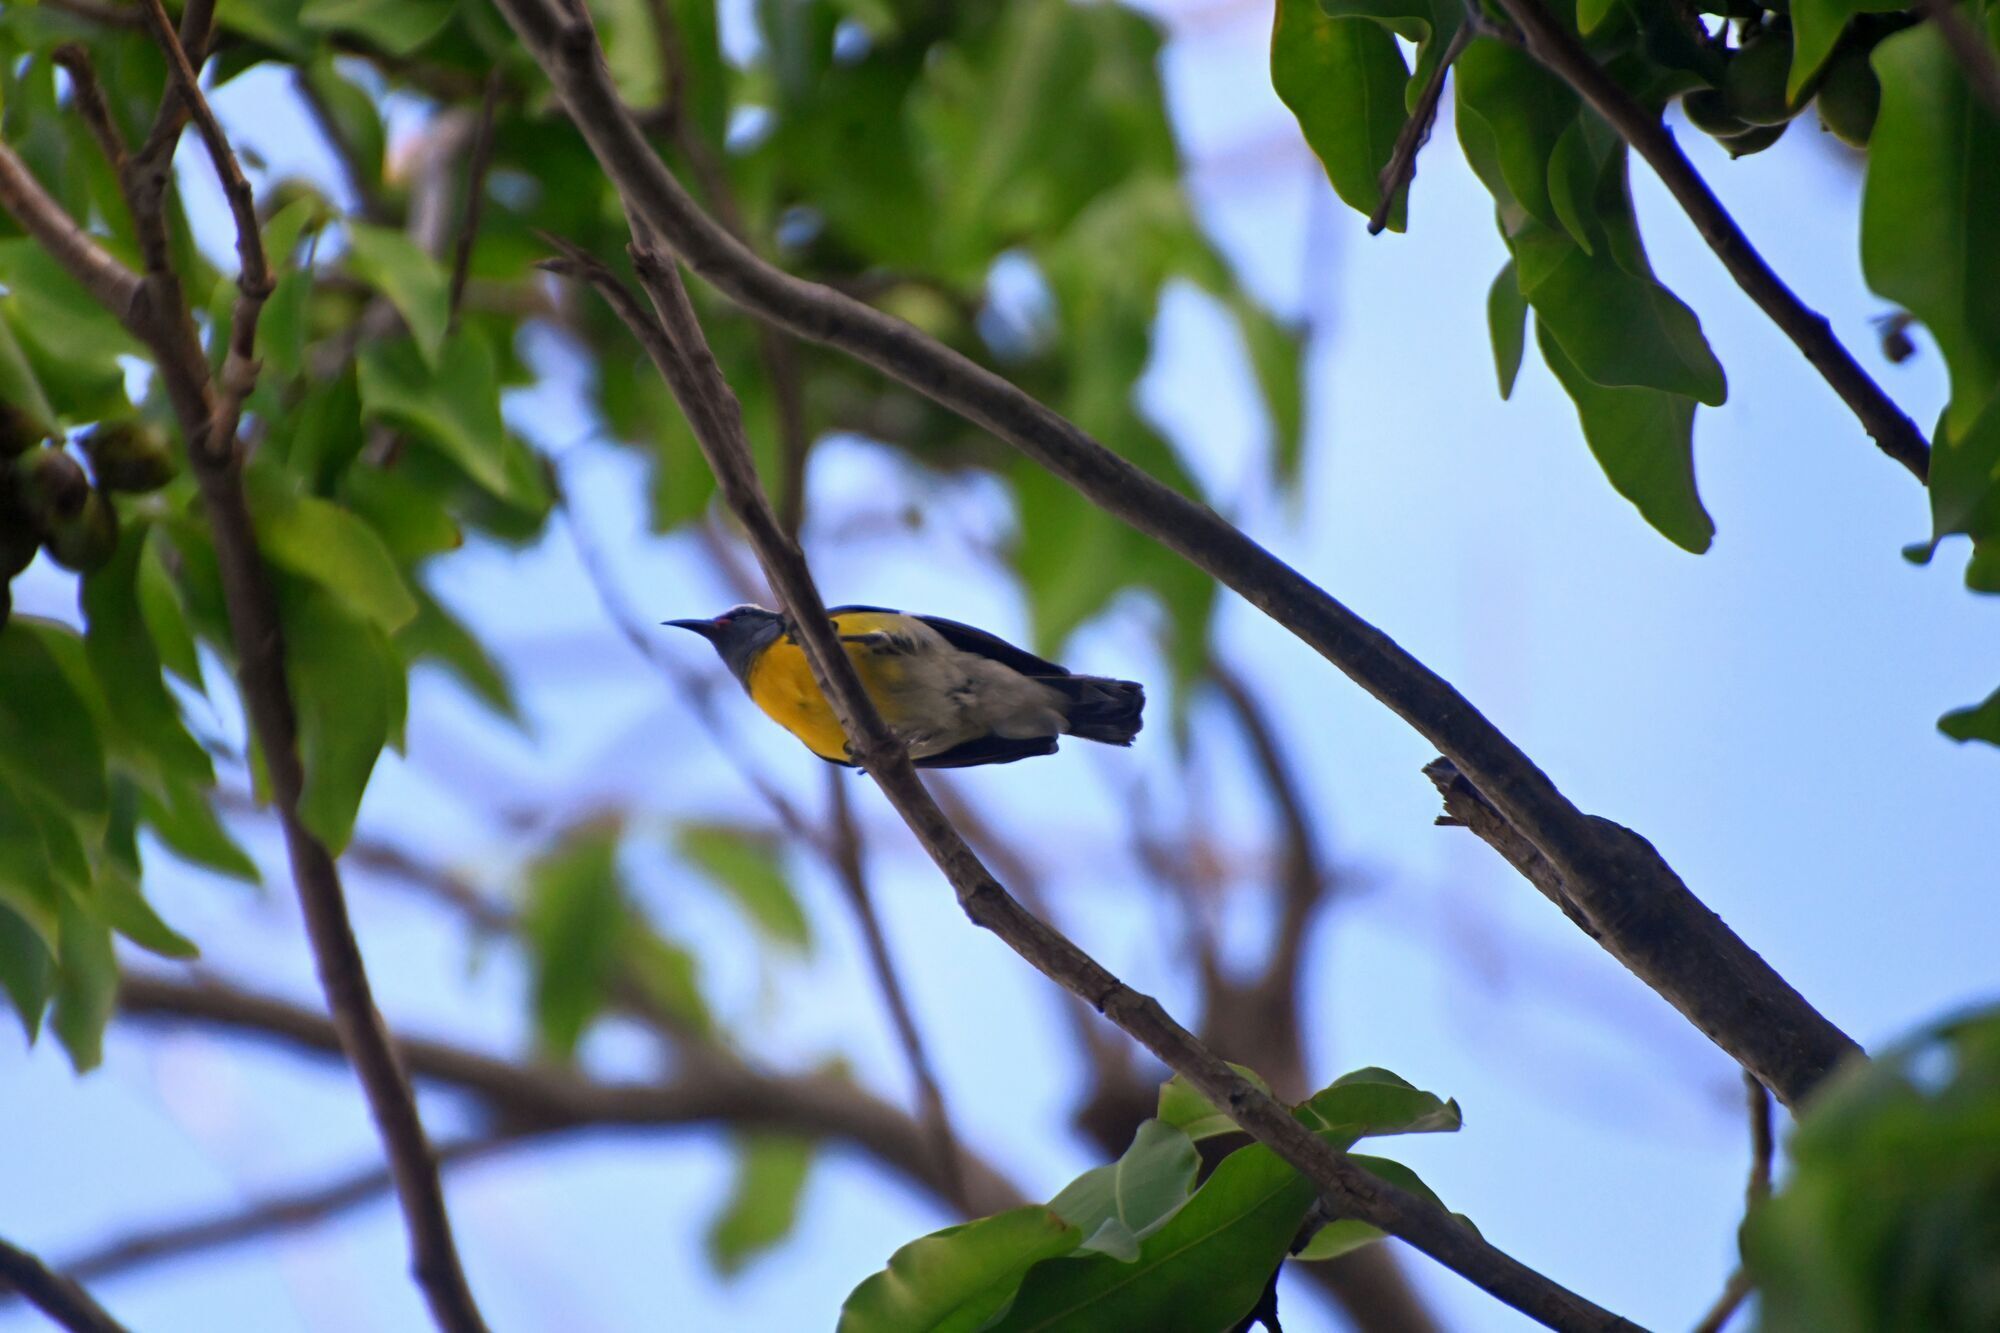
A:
[1189, 1110]
[749, 867]
[1343, 79]
[1525, 110]
[457, 409]
[415, 284]
[955, 1280]
[1372, 1101]
[763, 1204]
[1429, 24]
[86, 986]
[1204, 1268]
[1116, 1205]
[323, 542]
[348, 685]
[1507, 326]
[400, 27]
[1644, 441]
[571, 920]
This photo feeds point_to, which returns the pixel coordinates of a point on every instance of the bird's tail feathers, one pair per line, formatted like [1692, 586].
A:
[1100, 709]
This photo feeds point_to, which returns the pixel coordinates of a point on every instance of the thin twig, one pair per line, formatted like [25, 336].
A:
[475, 193]
[58, 1297]
[680, 351]
[74, 57]
[1734, 1292]
[1763, 1142]
[167, 327]
[153, 165]
[853, 876]
[1559, 51]
[1416, 132]
[1629, 890]
[1969, 47]
[367, 189]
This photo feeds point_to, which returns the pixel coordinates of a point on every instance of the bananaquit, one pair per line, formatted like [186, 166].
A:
[957, 696]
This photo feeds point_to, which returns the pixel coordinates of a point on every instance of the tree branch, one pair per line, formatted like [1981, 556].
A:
[1763, 1146]
[1614, 877]
[1563, 55]
[1416, 132]
[58, 1297]
[676, 343]
[155, 312]
[711, 1087]
[475, 193]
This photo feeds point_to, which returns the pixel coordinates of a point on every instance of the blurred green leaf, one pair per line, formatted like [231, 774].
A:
[397, 266]
[571, 920]
[29, 880]
[118, 903]
[86, 986]
[1204, 1268]
[1344, 79]
[763, 1202]
[182, 818]
[406, 516]
[48, 733]
[1816, 27]
[750, 867]
[438, 636]
[348, 685]
[1118, 1204]
[323, 542]
[1644, 441]
[400, 27]
[1277, 358]
[457, 409]
[352, 111]
[121, 653]
[165, 614]
[273, 22]
[1189, 1110]
[668, 973]
[19, 386]
[957, 1279]
[1981, 722]
[27, 972]
[1507, 325]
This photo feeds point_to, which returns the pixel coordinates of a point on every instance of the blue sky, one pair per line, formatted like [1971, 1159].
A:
[1763, 713]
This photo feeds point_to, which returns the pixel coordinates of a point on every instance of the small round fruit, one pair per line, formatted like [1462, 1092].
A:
[19, 431]
[86, 542]
[6, 604]
[18, 540]
[1756, 139]
[51, 485]
[130, 456]
[1709, 112]
[1753, 86]
[1849, 97]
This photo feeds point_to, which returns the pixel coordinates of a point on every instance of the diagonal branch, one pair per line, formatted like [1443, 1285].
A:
[155, 312]
[57, 1296]
[678, 348]
[1560, 51]
[1401, 169]
[1620, 880]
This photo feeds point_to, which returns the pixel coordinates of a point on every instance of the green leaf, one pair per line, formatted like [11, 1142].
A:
[668, 973]
[1205, 1268]
[323, 542]
[457, 409]
[438, 636]
[1343, 79]
[118, 903]
[1345, 1235]
[49, 735]
[27, 972]
[1374, 1101]
[572, 918]
[1591, 13]
[181, 817]
[86, 986]
[763, 1202]
[1507, 325]
[1525, 111]
[953, 1281]
[409, 518]
[19, 386]
[164, 611]
[1189, 1110]
[1644, 441]
[32, 886]
[1981, 722]
[1277, 359]
[397, 266]
[1816, 27]
[272, 22]
[348, 685]
[1118, 1204]
[749, 867]
[354, 115]
[1430, 24]
[400, 27]
[120, 650]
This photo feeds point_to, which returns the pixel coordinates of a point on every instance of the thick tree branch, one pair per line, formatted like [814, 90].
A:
[57, 1296]
[1613, 876]
[710, 1087]
[154, 311]
[678, 348]
[1563, 54]
[1669, 940]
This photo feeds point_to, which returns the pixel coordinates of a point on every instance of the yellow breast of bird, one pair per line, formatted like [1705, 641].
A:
[782, 685]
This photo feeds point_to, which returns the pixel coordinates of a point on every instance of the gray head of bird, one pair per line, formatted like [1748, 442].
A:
[739, 635]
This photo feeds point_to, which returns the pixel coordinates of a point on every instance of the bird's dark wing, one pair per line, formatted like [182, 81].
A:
[970, 639]
[990, 750]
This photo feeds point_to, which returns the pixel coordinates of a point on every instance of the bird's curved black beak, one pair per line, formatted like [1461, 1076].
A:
[708, 629]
